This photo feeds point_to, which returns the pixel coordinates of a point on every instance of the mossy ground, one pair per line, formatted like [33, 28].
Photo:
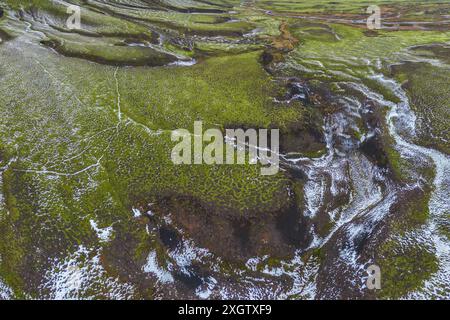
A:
[82, 141]
[427, 87]
[324, 52]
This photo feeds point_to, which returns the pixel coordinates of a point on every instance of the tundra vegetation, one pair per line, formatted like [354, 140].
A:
[92, 207]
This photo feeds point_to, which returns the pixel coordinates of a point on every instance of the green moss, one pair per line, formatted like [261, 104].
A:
[325, 228]
[404, 270]
[63, 189]
[423, 10]
[444, 227]
[319, 253]
[415, 214]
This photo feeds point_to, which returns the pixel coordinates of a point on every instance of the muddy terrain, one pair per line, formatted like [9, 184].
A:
[92, 207]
